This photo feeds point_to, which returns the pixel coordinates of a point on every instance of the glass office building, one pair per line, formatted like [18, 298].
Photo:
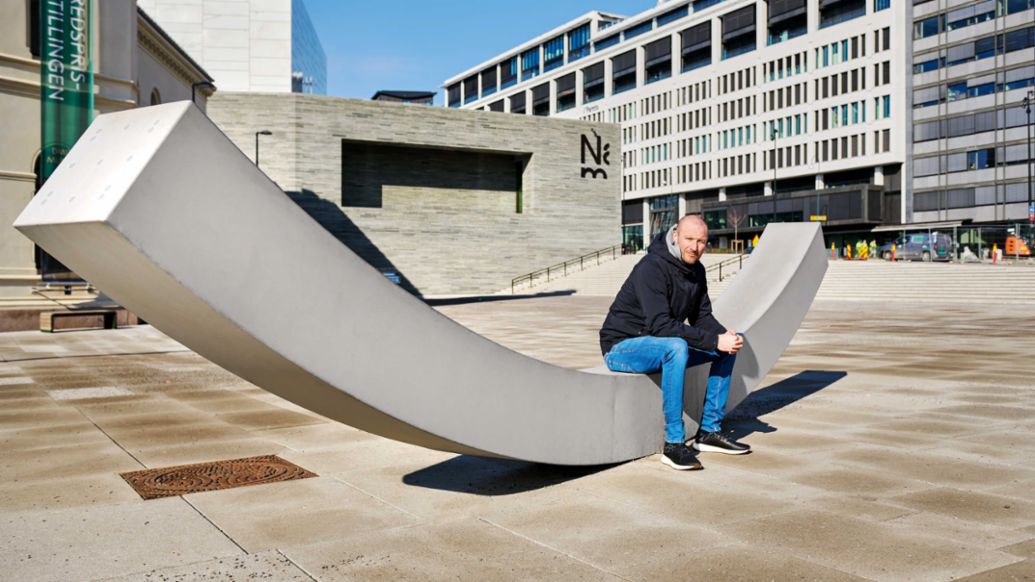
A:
[752, 111]
[308, 62]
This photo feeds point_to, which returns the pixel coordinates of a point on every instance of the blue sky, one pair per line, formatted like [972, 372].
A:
[415, 45]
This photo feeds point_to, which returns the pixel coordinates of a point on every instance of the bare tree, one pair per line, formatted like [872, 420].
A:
[735, 216]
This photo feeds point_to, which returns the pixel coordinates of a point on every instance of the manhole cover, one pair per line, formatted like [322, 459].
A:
[184, 479]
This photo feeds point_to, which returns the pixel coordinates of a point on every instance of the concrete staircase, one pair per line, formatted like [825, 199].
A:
[872, 281]
[878, 280]
[607, 278]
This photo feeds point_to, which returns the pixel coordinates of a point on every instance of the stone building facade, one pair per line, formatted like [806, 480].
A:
[135, 64]
[453, 202]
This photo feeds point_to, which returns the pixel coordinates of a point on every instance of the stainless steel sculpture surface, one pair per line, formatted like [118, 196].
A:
[156, 207]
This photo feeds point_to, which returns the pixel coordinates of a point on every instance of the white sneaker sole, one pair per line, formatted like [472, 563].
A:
[673, 464]
[714, 449]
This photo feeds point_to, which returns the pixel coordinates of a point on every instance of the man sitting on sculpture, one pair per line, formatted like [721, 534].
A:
[662, 320]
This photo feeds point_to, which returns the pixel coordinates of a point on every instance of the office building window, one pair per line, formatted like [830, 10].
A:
[673, 15]
[496, 106]
[833, 12]
[738, 32]
[453, 95]
[607, 42]
[639, 29]
[970, 15]
[928, 27]
[541, 100]
[553, 53]
[578, 43]
[981, 159]
[1014, 6]
[471, 89]
[530, 63]
[787, 20]
[879, 5]
[696, 46]
[517, 103]
[658, 61]
[593, 82]
[566, 92]
[623, 69]
[488, 81]
[508, 72]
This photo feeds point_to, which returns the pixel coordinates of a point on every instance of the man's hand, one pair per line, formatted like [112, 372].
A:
[730, 342]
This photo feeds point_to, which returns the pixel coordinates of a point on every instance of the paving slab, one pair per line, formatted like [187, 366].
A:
[105, 540]
[897, 470]
[271, 565]
[866, 549]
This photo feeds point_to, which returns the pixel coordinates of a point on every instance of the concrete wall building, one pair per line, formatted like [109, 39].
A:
[449, 201]
[717, 100]
[135, 63]
[250, 45]
[972, 66]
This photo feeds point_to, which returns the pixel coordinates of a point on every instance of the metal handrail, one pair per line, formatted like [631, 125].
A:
[739, 259]
[614, 251]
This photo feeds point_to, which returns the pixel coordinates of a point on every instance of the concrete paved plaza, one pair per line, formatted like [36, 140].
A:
[893, 442]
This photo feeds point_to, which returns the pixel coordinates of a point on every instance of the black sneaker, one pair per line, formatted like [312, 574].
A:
[716, 442]
[680, 457]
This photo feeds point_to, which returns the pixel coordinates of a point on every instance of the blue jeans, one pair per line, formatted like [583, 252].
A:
[672, 355]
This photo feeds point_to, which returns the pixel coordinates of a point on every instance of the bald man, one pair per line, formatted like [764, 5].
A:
[662, 320]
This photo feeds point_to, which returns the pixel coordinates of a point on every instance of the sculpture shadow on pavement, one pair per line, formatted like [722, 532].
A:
[746, 419]
[494, 477]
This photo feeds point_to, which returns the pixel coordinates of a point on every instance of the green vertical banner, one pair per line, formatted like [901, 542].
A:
[66, 78]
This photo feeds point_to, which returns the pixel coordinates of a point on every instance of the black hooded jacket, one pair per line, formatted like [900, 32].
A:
[661, 294]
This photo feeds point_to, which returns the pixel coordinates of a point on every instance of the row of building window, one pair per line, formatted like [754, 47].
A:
[788, 66]
[691, 120]
[1013, 79]
[788, 96]
[737, 81]
[978, 159]
[982, 48]
[970, 197]
[844, 147]
[693, 93]
[971, 123]
[734, 138]
[968, 16]
[737, 108]
[738, 38]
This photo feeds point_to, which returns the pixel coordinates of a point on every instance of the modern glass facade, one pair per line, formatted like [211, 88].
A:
[308, 61]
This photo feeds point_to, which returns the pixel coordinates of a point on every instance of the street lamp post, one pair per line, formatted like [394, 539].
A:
[773, 133]
[194, 88]
[257, 134]
[1029, 99]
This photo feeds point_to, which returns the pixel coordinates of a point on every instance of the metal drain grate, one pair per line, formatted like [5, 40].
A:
[184, 479]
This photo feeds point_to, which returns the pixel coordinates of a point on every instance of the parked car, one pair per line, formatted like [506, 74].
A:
[920, 246]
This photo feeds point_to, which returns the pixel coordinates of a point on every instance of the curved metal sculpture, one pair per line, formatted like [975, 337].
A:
[160, 210]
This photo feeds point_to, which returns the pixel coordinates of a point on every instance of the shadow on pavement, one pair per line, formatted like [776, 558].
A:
[489, 298]
[484, 476]
[744, 419]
